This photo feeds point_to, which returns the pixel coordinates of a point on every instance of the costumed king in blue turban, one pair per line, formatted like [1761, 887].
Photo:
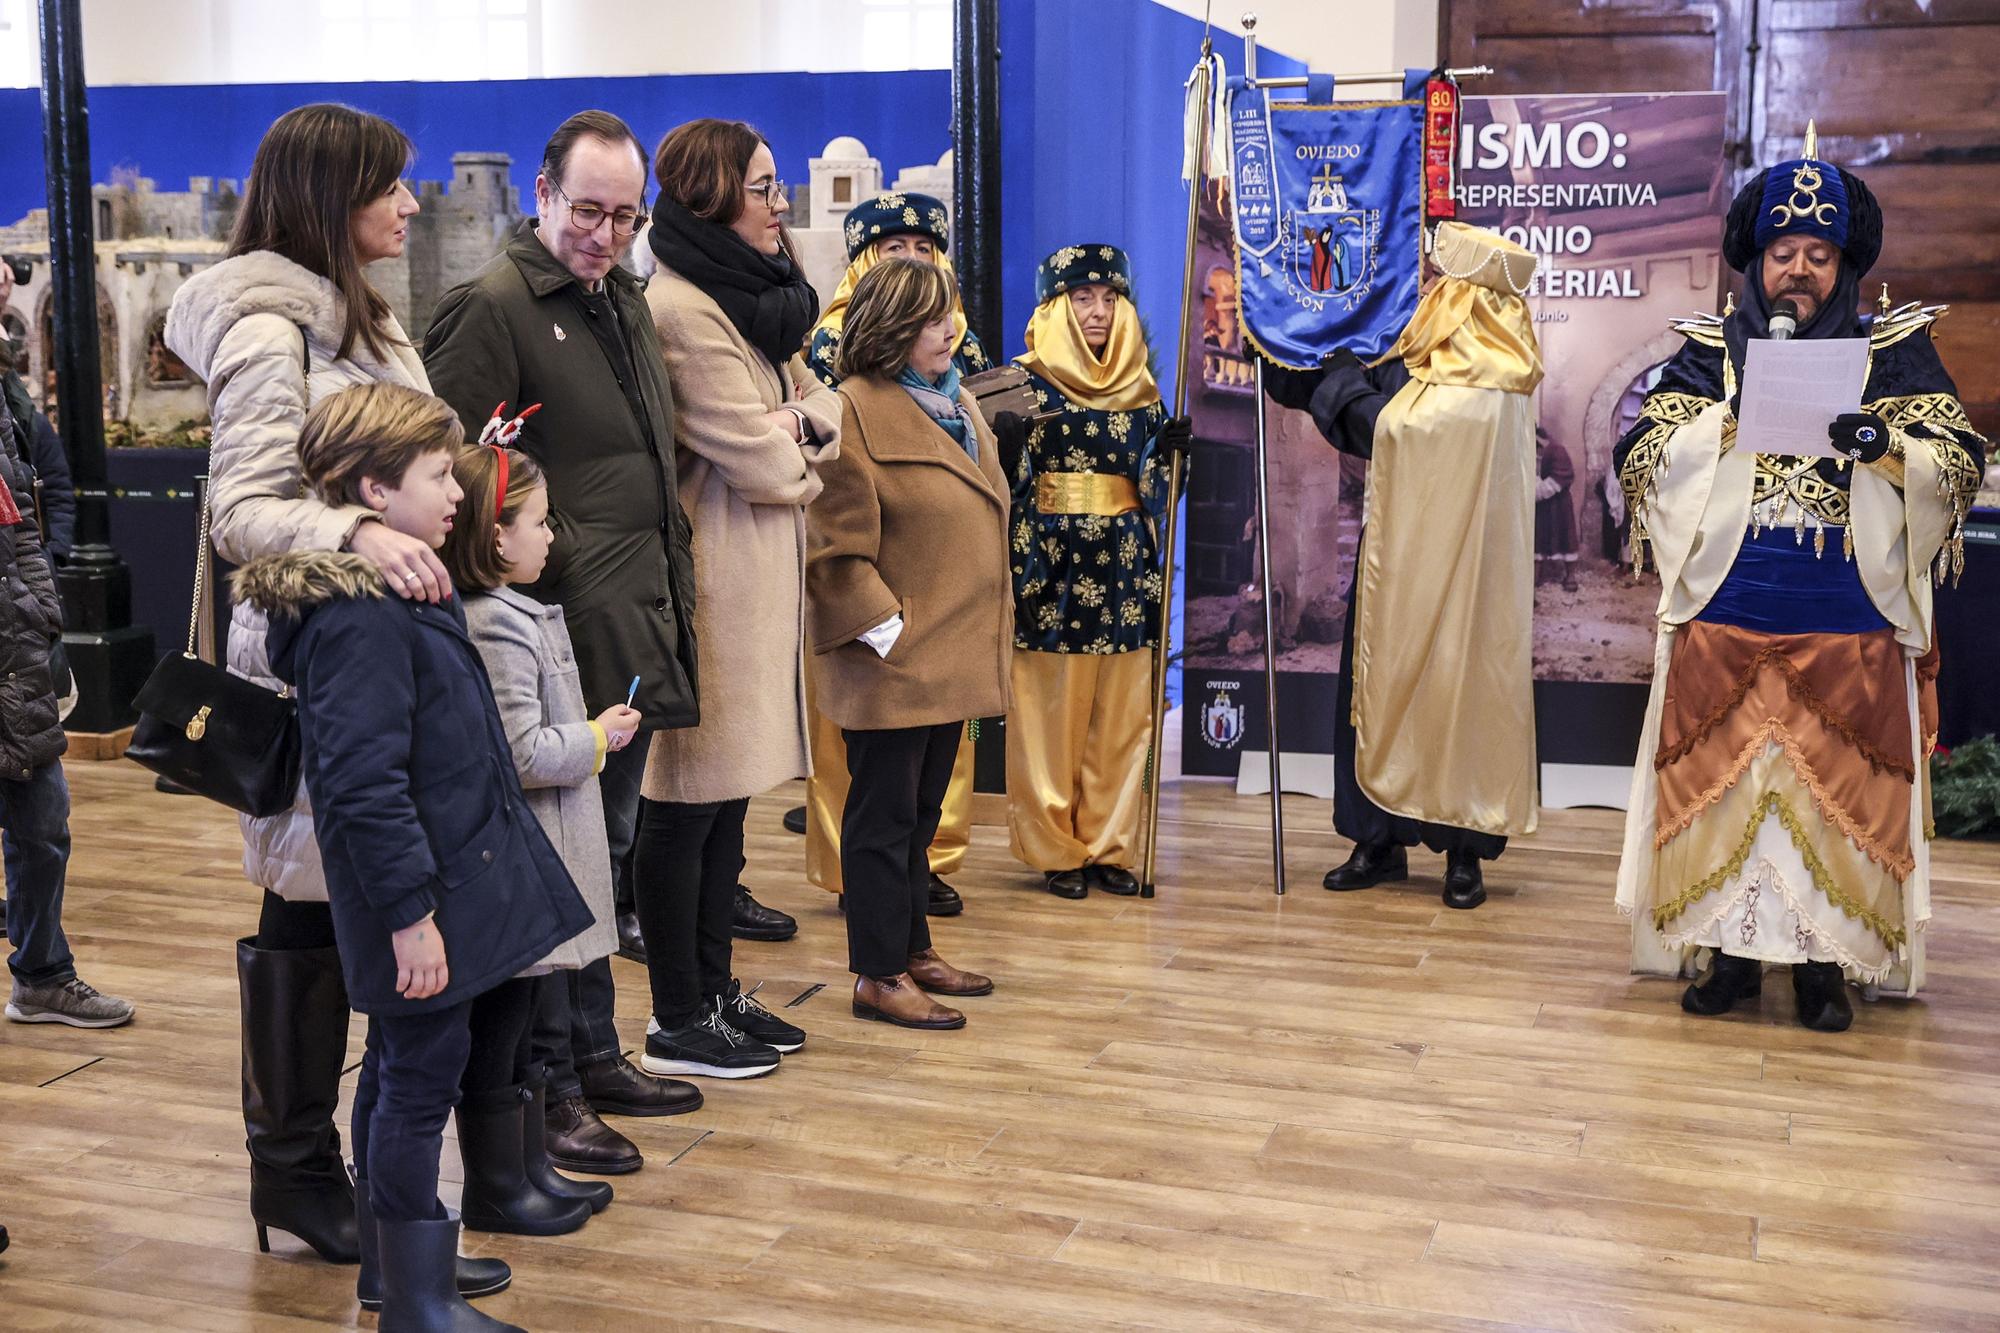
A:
[1779, 810]
[1434, 728]
[1089, 497]
[897, 225]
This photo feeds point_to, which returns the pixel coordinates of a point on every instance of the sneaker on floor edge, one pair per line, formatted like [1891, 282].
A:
[73, 1001]
[707, 1048]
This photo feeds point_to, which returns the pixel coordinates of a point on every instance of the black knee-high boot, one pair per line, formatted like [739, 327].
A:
[294, 1042]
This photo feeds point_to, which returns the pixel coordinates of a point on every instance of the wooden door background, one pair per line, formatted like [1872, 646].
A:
[1906, 94]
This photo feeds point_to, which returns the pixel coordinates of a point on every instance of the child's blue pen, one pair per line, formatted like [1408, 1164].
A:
[632, 693]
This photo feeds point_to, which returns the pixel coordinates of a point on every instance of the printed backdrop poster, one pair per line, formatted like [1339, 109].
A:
[1329, 206]
[1622, 198]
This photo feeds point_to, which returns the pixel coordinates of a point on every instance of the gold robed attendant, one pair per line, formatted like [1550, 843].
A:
[1088, 499]
[1447, 572]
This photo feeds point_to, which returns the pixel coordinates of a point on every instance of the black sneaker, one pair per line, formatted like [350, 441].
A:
[742, 1012]
[707, 1048]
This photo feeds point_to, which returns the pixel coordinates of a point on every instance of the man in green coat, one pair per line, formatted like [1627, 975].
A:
[553, 320]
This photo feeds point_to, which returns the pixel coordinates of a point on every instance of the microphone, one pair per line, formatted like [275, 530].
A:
[1784, 319]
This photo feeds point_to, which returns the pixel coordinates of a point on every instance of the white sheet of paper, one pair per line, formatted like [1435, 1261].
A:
[1793, 390]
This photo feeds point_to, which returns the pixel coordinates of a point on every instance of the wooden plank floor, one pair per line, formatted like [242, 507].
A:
[1216, 1110]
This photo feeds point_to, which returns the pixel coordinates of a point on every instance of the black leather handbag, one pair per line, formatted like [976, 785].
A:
[218, 735]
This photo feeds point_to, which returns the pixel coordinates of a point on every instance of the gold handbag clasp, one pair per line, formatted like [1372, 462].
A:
[197, 726]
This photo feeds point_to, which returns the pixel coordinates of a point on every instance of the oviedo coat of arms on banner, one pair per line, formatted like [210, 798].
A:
[1329, 218]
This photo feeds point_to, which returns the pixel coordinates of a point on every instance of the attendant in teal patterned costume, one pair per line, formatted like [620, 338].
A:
[899, 225]
[1089, 499]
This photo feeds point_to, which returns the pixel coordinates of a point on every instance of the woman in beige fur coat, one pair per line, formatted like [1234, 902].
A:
[732, 310]
[284, 321]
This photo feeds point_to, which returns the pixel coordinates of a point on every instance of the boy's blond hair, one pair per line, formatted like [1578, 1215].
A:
[372, 430]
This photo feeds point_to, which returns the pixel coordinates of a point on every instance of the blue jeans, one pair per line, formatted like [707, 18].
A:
[35, 814]
[410, 1078]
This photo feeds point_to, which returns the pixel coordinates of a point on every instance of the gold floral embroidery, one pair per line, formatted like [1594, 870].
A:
[1668, 411]
[1822, 878]
[1088, 591]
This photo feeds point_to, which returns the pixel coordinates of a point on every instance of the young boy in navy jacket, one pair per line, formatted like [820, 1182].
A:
[441, 881]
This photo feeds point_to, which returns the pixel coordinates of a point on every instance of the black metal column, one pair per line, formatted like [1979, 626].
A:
[975, 241]
[975, 183]
[109, 657]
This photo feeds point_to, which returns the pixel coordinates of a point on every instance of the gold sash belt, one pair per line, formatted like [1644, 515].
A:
[1085, 493]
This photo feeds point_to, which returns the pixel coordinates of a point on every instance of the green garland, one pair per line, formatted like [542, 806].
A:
[1965, 790]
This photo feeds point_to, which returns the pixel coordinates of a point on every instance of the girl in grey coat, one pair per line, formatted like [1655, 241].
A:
[501, 536]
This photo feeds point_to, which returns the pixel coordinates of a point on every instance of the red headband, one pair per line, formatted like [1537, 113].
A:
[500, 432]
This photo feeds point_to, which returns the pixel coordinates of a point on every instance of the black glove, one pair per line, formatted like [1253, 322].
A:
[1010, 432]
[1861, 436]
[1176, 437]
[1291, 388]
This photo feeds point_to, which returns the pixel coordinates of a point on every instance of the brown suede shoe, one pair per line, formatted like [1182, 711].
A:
[897, 1000]
[934, 974]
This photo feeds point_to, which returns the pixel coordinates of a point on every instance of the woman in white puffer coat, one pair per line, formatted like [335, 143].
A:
[286, 320]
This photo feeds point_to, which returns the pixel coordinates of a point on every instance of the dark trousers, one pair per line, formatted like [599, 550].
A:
[283, 925]
[1354, 815]
[618, 786]
[409, 1082]
[896, 793]
[34, 811]
[497, 1044]
[686, 865]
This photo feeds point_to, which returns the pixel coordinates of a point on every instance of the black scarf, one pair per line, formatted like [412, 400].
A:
[766, 297]
[1840, 317]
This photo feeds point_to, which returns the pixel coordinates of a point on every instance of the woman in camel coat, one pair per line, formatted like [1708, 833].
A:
[912, 616]
[754, 426]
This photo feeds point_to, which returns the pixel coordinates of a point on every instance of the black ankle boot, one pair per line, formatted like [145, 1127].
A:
[475, 1277]
[498, 1194]
[1464, 886]
[419, 1293]
[294, 1042]
[1372, 863]
[1821, 990]
[541, 1172]
[1730, 981]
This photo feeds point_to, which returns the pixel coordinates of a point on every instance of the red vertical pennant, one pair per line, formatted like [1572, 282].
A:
[1440, 148]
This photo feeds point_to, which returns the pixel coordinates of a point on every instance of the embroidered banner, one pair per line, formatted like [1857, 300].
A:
[1329, 215]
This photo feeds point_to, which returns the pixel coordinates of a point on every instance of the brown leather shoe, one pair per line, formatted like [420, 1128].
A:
[937, 976]
[578, 1140]
[897, 1000]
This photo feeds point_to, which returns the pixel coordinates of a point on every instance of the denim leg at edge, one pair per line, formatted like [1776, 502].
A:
[409, 1084]
[35, 813]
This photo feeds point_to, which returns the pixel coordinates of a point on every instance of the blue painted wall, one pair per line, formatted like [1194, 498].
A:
[1091, 108]
[171, 133]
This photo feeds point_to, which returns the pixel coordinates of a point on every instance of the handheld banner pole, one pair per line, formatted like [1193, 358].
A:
[1270, 642]
[1202, 89]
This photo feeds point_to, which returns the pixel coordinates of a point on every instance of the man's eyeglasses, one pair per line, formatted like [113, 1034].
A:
[770, 191]
[588, 217]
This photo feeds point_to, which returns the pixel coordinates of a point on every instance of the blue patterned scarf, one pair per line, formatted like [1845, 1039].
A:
[940, 403]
